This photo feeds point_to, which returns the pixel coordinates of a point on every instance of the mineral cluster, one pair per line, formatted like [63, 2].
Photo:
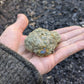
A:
[42, 42]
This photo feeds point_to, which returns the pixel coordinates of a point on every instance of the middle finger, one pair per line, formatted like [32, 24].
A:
[71, 41]
[69, 35]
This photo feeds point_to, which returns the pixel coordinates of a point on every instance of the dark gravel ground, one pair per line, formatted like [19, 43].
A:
[50, 14]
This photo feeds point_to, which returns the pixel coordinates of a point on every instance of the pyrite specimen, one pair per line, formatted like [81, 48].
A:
[42, 42]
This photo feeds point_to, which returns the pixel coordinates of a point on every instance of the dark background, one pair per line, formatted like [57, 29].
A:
[50, 14]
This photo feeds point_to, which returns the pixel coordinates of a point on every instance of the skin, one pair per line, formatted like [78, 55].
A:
[72, 41]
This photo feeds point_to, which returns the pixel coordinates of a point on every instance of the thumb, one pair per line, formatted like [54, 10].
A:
[20, 24]
[11, 36]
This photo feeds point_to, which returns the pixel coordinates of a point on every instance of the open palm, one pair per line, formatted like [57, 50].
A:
[72, 41]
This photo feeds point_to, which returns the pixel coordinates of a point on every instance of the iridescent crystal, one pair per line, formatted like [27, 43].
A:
[42, 42]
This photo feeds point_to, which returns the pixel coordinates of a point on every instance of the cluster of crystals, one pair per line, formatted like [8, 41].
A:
[42, 42]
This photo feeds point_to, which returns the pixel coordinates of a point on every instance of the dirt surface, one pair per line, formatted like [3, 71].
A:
[50, 14]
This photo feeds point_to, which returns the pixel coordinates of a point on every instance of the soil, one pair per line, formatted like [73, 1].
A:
[50, 14]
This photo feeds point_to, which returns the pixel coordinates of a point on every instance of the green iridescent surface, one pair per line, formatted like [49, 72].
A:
[42, 42]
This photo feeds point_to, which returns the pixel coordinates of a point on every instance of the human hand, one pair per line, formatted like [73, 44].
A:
[72, 41]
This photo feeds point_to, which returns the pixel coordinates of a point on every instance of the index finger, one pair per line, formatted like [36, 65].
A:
[67, 29]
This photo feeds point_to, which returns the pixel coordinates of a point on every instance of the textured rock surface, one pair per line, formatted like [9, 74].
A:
[42, 42]
[50, 14]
